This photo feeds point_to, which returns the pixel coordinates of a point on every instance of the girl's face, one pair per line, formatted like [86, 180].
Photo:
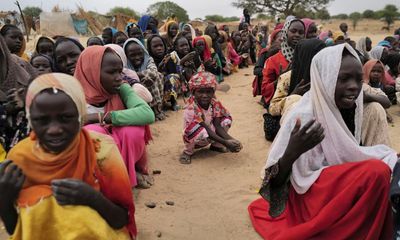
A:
[312, 31]
[157, 47]
[349, 82]
[55, 120]
[135, 54]
[110, 73]
[120, 40]
[94, 42]
[295, 33]
[173, 30]
[203, 97]
[214, 34]
[66, 56]
[200, 46]
[376, 74]
[152, 24]
[41, 65]
[188, 36]
[182, 47]
[14, 40]
[107, 36]
[368, 44]
[278, 39]
[45, 47]
[135, 32]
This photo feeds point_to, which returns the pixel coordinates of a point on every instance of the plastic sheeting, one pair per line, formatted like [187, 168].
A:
[57, 23]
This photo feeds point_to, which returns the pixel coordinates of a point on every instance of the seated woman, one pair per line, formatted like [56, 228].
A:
[149, 25]
[115, 109]
[293, 84]
[62, 174]
[172, 30]
[206, 120]
[42, 64]
[215, 59]
[375, 119]
[189, 33]
[167, 64]
[66, 54]
[233, 59]
[15, 76]
[133, 30]
[319, 182]
[108, 35]
[143, 64]
[292, 33]
[44, 45]
[205, 56]
[92, 41]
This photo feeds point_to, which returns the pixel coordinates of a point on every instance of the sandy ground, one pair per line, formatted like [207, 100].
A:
[212, 194]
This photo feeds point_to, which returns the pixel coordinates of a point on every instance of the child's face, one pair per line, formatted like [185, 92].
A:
[42, 65]
[200, 45]
[203, 97]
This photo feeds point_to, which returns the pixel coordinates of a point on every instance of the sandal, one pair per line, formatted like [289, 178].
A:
[185, 158]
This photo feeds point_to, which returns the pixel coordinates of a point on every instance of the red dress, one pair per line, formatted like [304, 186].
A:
[348, 201]
[274, 66]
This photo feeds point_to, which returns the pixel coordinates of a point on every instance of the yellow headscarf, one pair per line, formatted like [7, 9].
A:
[209, 43]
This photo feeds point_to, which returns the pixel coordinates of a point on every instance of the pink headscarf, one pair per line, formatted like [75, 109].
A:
[367, 68]
[307, 23]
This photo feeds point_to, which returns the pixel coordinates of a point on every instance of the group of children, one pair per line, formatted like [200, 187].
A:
[66, 109]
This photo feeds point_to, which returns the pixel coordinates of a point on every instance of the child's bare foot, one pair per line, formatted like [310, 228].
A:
[185, 158]
[218, 149]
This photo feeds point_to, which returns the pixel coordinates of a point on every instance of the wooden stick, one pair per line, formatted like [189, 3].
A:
[23, 20]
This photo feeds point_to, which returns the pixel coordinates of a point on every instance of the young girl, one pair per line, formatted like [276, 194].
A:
[44, 45]
[217, 69]
[319, 182]
[143, 64]
[15, 40]
[206, 120]
[66, 54]
[42, 64]
[92, 41]
[115, 109]
[204, 52]
[120, 38]
[172, 31]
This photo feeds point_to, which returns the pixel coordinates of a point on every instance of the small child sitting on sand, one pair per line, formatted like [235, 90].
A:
[205, 119]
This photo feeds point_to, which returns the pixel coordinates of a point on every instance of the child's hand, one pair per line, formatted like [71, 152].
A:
[233, 145]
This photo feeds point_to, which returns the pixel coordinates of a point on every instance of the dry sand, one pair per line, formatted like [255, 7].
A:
[212, 194]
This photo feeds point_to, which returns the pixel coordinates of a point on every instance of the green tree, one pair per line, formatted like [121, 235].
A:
[163, 10]
[355, 17]
[287, 7]
[389, 14]
[32, 11]
[340, 16]
[262, 16]
[124, 10]
[368, 14]
[323, 14]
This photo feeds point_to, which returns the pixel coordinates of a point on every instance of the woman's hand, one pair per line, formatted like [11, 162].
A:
[304, 139]
[74, 192]
[15, 99]
[11, 181]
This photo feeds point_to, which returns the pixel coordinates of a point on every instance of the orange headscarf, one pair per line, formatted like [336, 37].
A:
[367, 68]
[87, 72]
[39, 166]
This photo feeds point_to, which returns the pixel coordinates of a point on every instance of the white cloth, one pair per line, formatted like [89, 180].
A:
[362, 47]
[376, 52]
[339, 145]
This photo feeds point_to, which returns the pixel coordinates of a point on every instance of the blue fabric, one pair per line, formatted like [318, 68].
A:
[81, 26]
[144, 22]
[384, 44]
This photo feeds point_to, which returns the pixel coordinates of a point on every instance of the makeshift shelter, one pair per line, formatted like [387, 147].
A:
[57, 23]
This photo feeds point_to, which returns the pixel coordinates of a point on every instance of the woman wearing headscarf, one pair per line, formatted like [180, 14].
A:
[172, 30]
[375, 129]
[232, 57]
[293, 84]
[310, 28]
[15, 40]
[188, 29]
[66, 53]
[114, 108]
[292, 33]
[216, 68]
[319, 182]
[364, 45]
[15, 76]
[143, 64]
[133, 30]
[212, 31]
[44, 45]
[63, 174]
[108, 34]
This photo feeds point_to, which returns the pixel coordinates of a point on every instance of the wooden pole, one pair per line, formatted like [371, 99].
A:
[23, 20]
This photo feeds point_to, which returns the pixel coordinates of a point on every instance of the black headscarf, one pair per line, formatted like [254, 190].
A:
[65, 39]
[304, 52]
[149, 40]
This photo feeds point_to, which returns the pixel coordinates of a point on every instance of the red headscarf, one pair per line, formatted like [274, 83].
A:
[367, 68]
[87, 71]
[207, 51]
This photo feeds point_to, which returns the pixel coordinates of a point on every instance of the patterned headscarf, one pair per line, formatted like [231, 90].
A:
[203, 80]
[286, 49]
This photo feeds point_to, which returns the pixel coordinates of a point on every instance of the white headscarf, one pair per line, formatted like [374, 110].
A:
[376, 52]
[339, 145]
[362, 47]
[147, 59]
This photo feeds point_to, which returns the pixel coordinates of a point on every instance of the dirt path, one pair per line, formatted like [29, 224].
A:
[212, 194]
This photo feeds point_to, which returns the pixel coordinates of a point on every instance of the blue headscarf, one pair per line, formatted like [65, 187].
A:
[385, 43]
[146, 55]
[113, 30]
[144, 22]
